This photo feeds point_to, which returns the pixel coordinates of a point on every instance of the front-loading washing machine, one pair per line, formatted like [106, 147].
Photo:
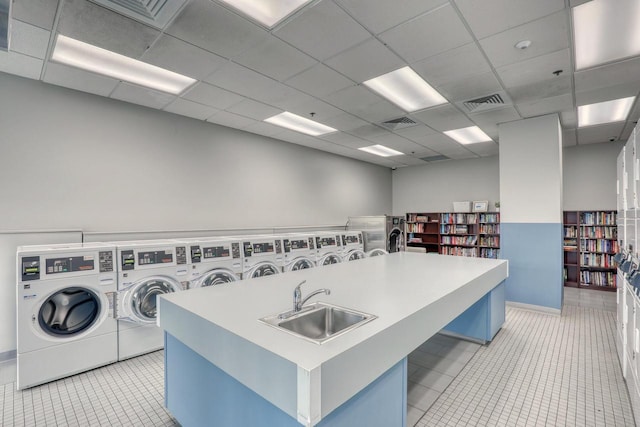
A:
[262, 256]
[380, 232]
[352, 245]
[65, 321]
[328, 248]
[299, 251]
[146, 269]
[213, 261]
[376, 252]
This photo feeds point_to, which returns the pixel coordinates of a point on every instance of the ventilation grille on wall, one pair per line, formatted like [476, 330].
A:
[156, 13]
[399, 123]
[437, 158]
[484, 103]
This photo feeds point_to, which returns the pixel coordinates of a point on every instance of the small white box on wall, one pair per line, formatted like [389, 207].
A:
[462, 206]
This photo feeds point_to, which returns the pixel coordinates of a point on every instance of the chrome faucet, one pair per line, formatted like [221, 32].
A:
[298, 302]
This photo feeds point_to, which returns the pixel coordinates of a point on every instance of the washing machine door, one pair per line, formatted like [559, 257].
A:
[263, 269]
[69, 312]
[216, 277]
[355, 255]
[396, 240]
[141, 298]
[329, 259]
[301, 263]
[377, 252]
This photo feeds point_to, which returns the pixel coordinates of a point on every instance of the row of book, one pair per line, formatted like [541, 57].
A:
[415, 228]
[598, 218]
[493, 241]
[422, 218]
[458, 218]
[489, 229]
[598, 278]
[597, 260]
[459, 240]
[454, 229]
[599, 245]
[571, 231]
[489, 253]
[458, 251]
[489, 217]
[599, 232]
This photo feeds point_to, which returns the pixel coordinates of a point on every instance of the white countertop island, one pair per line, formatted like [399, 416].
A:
[413, 296]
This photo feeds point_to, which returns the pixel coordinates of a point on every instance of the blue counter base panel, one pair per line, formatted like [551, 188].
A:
[482, 320]
[217, 399]
[534, 252]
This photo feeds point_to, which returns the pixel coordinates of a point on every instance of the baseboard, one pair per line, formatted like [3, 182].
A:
[7, 355]
[532, 307]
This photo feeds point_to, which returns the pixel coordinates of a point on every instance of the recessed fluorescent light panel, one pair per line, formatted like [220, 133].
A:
[406, 89]
[381, 150]
[470, 135]
[605, 31]
[267, 12]
[299, 124]
[101, 61]
[604, 112]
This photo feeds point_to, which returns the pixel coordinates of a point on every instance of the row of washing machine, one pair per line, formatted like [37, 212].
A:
[80, 306]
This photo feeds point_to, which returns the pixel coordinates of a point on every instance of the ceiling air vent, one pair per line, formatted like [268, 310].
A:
[399, 123]
[435, 158]
[156, 13]
[484, 103]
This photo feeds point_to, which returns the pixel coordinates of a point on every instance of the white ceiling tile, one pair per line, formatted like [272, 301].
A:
[212, 96]
[440, 143]
[460, 154]
[377, 160]
[495, 117]
[344, 121]
[253, 109]
[416, 133]
[29, 40]
[93, 24]
[470, 87]
[181, 57]
[430, 34]
[368, 131]
[319, 81]
[569, 137]
[569, 119]
[239, 79]
[77, 79]
[554, 86]
[142, 96]
[452, 65]
[619, 73]
[346, 140]
[215, 28]
[275, 58]
[493, 16]
[322, 31]
[484, 149]
[283, 96]
[378, 112]
[410, 161]
[607, 93]
[555, 104]
[291, 136]
[40, 13]
[397, 143]
[315, 109]
[353, 98]
[340, 150]
[602, 133]
[366, 61]
[263, 128]
[548, 34]
[536, 69]
[442, 118]
[231, 120]
[190, 109]
[425, 153]
[377, 15]
[21, 65]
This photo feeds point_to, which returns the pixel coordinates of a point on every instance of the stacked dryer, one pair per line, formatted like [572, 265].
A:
[262, 256]
[352, 245]
[65, 322]
[299, 251]
[146, 269]
[328, 248]
[214, 261]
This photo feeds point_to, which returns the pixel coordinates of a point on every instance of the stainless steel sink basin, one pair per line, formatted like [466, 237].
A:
[319, 322]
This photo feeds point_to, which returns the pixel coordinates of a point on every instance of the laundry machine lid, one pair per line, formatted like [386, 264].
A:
[356, 254]
[215, 277]
[301, 263]
[377, 252]
[330, 259]
[144, 296]
[264, 269]
[69, 311]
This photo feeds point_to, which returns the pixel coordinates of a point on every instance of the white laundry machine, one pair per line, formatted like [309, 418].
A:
[262, 256]
[299, 251]
[382, 231]
[65, 321]
[352, 245]
[146, 269]
[376, 252]
[328, 248]
[213, 261]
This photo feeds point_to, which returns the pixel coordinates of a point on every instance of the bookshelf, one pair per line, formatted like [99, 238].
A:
[454, 233]
[590, 242]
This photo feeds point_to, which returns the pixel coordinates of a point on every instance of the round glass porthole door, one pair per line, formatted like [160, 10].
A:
[331, 259]
[216, 277]
[144, 296]
[355, 255]
[265, 270]
[301, 264]
[69, 312]
[377, 252]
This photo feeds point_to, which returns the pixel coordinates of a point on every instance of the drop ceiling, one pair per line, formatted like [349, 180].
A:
[314, 62]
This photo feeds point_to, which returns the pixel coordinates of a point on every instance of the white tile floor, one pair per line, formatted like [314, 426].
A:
[541, 370]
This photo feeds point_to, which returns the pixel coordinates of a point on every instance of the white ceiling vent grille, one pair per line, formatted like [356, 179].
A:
[484, 103]
[399, 123]
[437, 158]
[156, 13]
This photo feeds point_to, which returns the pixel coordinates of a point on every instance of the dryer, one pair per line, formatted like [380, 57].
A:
[328, 248]
[376, 252]
[262, 256]
[146, 269]
[380, 232]
[352, 245]
[65, 321]
[299, 251]
[213, 261]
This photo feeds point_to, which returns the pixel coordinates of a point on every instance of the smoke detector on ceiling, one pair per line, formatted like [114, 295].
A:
[155, 13]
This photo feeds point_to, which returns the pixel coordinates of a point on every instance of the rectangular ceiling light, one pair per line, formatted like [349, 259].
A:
[299, 124]
[605, 31]
[267, 12]
[405, 88]
[101, 61]
[604, 112]
[381, 150]
[470, 135]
